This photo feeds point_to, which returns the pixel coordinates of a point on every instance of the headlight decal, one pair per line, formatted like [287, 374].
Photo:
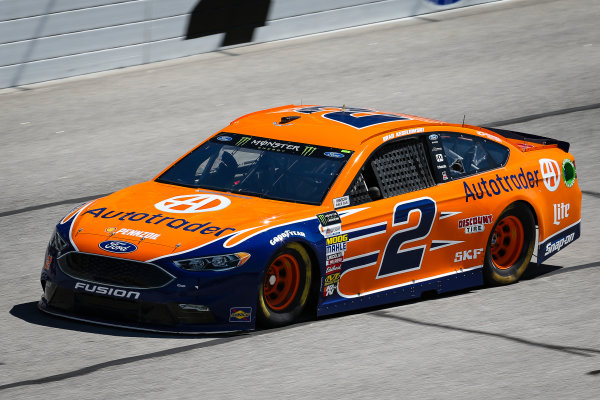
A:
[214, 263]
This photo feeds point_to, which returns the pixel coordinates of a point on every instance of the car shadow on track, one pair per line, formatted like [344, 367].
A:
[29, 312]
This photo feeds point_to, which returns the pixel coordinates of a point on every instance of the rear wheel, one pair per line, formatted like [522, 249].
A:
[510, 245]
[285, 287]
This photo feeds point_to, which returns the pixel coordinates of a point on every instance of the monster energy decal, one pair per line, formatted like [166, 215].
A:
[280, 146]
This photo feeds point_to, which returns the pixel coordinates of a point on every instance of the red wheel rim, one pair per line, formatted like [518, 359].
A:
[282, 281]
[507, 242]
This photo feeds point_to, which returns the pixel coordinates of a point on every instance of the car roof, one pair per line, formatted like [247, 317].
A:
[313, 127]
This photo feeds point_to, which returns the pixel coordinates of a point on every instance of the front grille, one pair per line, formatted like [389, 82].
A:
[113, 271]
[108, 309]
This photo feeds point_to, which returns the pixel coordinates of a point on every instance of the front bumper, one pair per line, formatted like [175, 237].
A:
[199, 302]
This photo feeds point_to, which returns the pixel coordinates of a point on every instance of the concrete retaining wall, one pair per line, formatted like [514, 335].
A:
[48, 39]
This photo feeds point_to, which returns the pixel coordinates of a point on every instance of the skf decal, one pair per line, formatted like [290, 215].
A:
[240, 314]
[561, 211]
[467, 255]
[550, 173]
[157, 219]
[475, 224]
[107, 291]
[284, 235]
[495, 186]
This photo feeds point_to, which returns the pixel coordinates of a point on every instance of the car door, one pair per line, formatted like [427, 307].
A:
[389, 224]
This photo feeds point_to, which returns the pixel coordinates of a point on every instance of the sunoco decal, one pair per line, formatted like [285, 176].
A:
[240, 314]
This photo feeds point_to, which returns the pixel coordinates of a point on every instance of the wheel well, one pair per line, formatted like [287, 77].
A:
[535, 217]
[526, 204]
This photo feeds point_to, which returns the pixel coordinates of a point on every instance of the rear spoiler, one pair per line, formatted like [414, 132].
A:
[528, 137]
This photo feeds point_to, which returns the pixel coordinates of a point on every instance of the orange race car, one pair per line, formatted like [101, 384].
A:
[300, 208]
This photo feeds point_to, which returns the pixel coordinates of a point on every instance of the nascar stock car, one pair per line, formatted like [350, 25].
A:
[313, 209]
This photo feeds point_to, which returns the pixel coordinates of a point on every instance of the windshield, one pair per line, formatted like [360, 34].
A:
[262, 167]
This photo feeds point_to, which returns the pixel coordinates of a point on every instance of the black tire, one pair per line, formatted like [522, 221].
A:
[278, 302]
[510, 245]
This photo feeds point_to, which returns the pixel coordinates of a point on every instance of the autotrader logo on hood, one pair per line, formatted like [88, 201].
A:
[193, 203]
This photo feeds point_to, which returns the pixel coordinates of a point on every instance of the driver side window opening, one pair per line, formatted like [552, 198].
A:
[395, 168]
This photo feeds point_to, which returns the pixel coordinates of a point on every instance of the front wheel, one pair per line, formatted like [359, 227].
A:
[510, 245]
[285, 287]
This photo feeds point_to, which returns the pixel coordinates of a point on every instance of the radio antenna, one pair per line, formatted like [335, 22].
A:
[464, 116]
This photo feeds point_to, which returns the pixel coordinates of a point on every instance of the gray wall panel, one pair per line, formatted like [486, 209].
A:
[83, 63]
[12, 9]
[49, 39]
[71, 21]
[162, 8]
[72, 43]
[168, 28]
[173, 48]
[290, 8]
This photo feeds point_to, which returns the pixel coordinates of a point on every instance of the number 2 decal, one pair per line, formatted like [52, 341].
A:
[347, 116]
[396, 259]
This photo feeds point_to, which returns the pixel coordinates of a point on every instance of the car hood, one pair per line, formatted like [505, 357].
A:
[159, 219]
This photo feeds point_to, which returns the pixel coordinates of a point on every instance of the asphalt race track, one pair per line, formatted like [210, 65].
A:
[530, 65]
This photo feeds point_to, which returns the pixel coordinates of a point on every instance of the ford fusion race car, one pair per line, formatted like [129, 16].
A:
[302, 208]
